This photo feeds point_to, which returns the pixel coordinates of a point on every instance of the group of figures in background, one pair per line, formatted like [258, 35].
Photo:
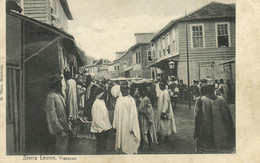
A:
[142, 113]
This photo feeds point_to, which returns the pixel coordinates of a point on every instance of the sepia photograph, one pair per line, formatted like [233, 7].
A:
[119, 77]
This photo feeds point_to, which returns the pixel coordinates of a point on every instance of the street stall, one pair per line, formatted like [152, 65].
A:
[35, 51]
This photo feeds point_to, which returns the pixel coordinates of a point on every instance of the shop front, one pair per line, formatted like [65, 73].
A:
[35, 51]
[166, 68]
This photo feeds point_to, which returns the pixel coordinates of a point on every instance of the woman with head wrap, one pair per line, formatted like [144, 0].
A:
[214, 127]
[146, 119]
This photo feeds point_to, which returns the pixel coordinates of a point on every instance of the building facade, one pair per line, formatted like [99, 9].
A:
[98, 69]
[210, 39]
[134, 62]
[53, 12]
[113, 69]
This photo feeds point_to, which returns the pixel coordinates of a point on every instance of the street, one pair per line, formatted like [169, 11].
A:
[180, 143]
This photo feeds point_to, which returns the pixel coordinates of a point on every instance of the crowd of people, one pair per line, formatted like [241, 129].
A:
[143, 113]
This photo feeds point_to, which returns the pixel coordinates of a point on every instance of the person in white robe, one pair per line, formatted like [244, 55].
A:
[81, 95]
[115, 90]
[100, 121]
[126, 123]
[71, 94]
[166, 122]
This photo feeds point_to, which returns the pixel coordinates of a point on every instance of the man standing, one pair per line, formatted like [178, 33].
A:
[195, 90]
[56, 115]
[71, 94]
[115, 92]
[174, 92]
[126, 123]
[166, 122]
[182, 88]
[90, 97]
[214, 127]
[223, 89]
[100, 123]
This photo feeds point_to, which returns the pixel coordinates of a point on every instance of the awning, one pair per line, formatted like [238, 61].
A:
[45, 35]
[163, 62]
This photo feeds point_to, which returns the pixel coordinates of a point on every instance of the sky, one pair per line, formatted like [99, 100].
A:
[103, 27]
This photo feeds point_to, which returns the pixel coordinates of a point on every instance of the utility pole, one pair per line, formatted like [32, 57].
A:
[188, 66]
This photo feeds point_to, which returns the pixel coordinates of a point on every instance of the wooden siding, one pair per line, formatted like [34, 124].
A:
[14, 111]
[36, 9]
[48, 11]
[210, 50]
[174, 50]
[41, 10]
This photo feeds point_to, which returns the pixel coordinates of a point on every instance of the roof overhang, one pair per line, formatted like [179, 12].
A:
[40, 36]
[163, 62]
[66, 9]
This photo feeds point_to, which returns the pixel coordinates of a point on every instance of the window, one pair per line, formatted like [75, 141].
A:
[168, 44]
[163, 45]
[159, 48]
[173, 39]
[222, 33]
[138, 57]
[149, 56]
[197, 36]
[118, 67]
[115, 68]
[154, 55]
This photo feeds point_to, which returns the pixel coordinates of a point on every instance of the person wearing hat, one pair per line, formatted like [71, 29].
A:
[56, 115]
[100, 121]
[126, 122]
[214, 126]
[174, 92]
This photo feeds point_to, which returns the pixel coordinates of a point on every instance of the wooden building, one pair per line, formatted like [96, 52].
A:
[53, 12]
[135, 61]
[211, 42]
[34, 52]
[99, 69]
